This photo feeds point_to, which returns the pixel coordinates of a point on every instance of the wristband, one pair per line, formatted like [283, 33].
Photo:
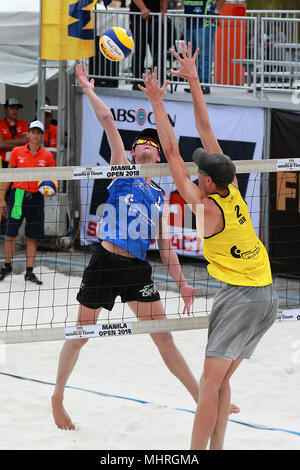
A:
[216, 12]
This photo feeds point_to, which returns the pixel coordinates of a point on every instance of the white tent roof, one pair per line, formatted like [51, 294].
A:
[21, 5]
[19, 42]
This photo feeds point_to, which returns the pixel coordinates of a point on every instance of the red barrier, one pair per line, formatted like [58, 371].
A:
[230, 43]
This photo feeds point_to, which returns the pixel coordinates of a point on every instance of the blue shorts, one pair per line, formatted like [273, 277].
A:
[28, 206]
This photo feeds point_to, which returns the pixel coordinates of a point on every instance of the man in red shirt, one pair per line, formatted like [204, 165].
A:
[50, 136]
[25, 201]
[13, 131]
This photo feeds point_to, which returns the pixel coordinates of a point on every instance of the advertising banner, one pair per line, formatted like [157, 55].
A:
[67, 29]
[284, 233]
[239, 131]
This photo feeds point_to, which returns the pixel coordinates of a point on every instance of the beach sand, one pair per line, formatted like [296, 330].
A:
[266, 387]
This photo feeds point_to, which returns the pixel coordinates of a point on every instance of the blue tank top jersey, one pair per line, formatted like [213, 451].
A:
[131, 214]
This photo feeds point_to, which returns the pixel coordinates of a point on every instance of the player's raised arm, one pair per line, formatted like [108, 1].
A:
[104, 116]
[188, 70]
[170, 259]
[189, 191]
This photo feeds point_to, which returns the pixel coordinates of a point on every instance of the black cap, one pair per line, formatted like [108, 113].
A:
[150, 133]
[13, 102]
[216, 165]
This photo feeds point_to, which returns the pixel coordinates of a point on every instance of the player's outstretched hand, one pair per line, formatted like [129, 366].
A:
[81, 74]
[187, 293]
[152, 90]
[187, 62]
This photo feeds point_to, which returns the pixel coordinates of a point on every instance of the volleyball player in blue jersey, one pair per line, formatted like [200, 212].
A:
[134, 214]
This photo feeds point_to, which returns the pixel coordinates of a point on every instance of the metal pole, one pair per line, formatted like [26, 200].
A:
[265, 185]
[61, 112]
[255, 59]
[262, 80]
[41, 74]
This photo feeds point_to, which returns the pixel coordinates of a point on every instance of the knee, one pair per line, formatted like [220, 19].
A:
[208, 383]
[163, 340]
[205, 382]
[225, 387]
[76, 344]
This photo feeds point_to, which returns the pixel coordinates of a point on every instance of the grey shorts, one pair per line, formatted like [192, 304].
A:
[239, 318]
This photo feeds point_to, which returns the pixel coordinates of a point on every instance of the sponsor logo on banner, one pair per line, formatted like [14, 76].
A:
[106, 172]
[79, 29]
[239, 131]
[67, 29]
[140, 116]
[249, 254]
[289, 164]
[292, 314]
[97, 331]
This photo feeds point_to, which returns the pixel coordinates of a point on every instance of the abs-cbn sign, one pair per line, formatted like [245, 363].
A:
[239, 131]
[139, 116]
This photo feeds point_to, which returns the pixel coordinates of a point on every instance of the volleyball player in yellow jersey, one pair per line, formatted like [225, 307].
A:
[246, 307]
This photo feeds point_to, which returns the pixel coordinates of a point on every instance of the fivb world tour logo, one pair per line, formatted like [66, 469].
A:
[83, 16]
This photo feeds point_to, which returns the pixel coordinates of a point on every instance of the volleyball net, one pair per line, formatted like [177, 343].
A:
[46, 312]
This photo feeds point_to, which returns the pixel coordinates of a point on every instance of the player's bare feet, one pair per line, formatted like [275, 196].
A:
[233, 409]
[60, 416]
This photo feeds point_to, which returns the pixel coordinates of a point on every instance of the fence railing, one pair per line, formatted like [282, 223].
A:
[280, 53]
[250, 52]
[274, 13]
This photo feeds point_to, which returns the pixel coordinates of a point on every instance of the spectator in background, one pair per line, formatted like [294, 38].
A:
[51, 129]
[261, 38]
[47, 103]
[274, 35]
[145, 30]
[50, 135]
[201, 33]
[25, 201]
[13, 132]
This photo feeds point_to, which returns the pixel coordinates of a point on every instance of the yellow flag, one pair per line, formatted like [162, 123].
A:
[67, 31]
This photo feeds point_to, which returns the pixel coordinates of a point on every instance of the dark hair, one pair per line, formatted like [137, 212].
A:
[216, 165]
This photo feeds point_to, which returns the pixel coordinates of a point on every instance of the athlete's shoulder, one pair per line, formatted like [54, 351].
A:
[233, 187]
[156, 186]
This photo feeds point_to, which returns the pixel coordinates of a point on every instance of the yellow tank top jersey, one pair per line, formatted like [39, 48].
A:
[236, 255]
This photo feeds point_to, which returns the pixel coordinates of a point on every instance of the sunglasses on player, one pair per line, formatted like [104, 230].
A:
[144, 141]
